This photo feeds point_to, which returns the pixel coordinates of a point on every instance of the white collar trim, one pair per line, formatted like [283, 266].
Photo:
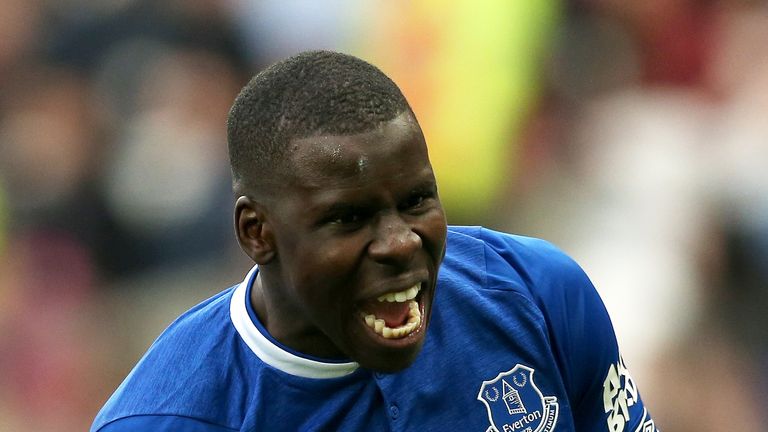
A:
[272, 354]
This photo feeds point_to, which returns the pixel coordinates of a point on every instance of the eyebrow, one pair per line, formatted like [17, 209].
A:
[426, 185]
[341, 207]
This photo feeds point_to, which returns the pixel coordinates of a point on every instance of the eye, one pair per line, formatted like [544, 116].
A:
[347, 218]
[417, 199]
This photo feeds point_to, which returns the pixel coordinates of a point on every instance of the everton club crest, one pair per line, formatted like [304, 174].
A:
[515, 404]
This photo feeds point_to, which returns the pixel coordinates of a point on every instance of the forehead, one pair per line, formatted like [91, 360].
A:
[391, 150]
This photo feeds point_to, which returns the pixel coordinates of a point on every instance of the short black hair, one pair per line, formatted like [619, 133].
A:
[311, 93]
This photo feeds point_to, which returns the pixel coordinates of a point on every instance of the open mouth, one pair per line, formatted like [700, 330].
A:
[394, 315]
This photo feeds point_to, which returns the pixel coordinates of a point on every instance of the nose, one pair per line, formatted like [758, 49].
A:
[395, 242]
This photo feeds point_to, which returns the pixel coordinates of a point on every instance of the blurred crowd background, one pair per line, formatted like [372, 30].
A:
[631, 134]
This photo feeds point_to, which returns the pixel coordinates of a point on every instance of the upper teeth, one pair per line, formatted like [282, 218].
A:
[401, 296]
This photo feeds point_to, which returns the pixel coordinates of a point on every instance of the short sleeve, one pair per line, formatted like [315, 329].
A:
[601, 391]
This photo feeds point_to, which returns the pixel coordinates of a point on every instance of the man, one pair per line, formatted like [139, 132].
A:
[344, 323]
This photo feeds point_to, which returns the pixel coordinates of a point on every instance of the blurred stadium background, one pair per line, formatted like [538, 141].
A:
[632, 134]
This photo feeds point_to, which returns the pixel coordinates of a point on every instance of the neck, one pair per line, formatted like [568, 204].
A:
[282, 323]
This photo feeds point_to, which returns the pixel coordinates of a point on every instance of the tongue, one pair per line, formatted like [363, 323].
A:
[394, 314]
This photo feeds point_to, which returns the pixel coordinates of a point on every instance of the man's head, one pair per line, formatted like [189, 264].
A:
[312, 93]
[338, 205]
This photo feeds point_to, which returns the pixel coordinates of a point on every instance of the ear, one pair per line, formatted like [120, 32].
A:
[253, 231]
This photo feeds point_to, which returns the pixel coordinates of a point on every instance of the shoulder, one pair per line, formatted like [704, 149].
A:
[522, 272]
[183, 373]
[512, 248]
[504, 261]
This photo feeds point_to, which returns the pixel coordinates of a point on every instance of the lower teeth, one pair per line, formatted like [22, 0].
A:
[380, 327]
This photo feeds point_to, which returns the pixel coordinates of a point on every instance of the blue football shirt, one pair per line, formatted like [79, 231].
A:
[519, 341]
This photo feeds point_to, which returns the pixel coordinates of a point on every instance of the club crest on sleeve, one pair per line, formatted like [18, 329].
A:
[515, 403]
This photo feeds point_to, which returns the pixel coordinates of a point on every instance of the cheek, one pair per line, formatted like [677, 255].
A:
[331, 265]
[435, 231]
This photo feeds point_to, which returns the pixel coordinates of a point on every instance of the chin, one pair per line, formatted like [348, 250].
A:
[390, 360]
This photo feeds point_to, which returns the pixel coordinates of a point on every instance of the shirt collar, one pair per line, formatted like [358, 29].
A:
[269, 350]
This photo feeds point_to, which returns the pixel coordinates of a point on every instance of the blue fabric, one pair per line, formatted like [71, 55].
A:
[519, 339]
[162, 423]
